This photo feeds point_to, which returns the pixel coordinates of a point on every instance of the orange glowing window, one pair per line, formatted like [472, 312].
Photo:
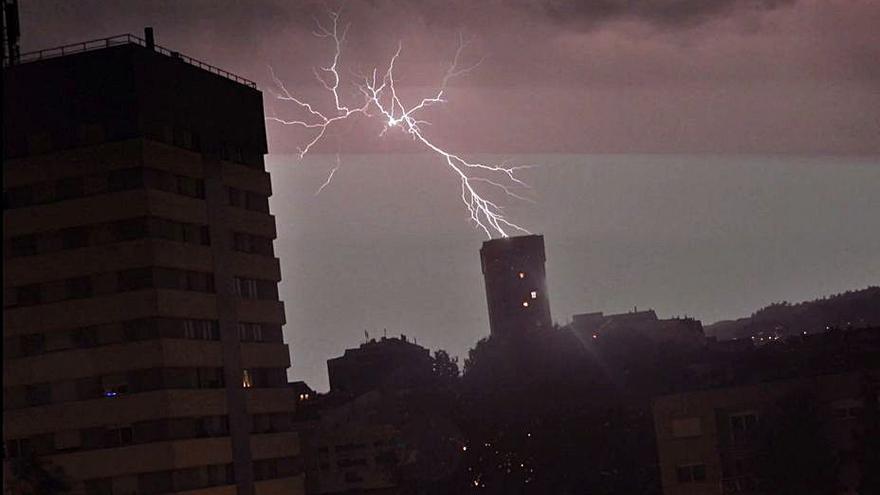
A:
[246, 380]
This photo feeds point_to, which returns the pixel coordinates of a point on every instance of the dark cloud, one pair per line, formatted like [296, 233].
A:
[667, 13]
[557, 75]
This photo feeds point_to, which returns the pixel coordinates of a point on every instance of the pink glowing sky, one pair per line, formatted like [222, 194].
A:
[559, 76]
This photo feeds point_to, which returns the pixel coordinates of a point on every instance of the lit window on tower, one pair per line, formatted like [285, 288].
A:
[534, 294]
[525, 304]
[521, 274]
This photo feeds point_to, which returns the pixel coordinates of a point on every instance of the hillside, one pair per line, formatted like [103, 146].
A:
[859, 308]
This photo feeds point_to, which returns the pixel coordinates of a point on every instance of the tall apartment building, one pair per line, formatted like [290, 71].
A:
[142, 338]
[516, 285]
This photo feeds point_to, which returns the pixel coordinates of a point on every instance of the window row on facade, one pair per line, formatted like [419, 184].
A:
[253, 288]
[178, 480]
[189, 139]
[125, 179]
[103, 437]
[142, 432]
[160, 482]
[108, 233]
[248, 200]
[136, 330]
[130, 280]
[112, 386]
[263, 378]
[109, 283]
[253, 244]
[129, 230]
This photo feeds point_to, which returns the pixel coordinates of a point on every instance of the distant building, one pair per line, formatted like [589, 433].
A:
[709, 441]
[376, 363]
[353, 448]
[516, 285]
[640, 324]
[142, 328]
[302, 391]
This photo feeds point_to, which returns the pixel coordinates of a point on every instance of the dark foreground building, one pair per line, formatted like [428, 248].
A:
[142, 338]
[681, 332]
[516, 285]
[377, 363]
[805, 432]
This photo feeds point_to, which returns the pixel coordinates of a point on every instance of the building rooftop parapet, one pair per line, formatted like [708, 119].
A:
[119, 40]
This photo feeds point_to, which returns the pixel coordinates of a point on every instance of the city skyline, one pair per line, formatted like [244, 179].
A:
[299, 247]
[692, 80]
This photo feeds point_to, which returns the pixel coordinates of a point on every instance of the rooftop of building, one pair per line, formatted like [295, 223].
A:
[120, 40]
[400, 344]
[504, 243]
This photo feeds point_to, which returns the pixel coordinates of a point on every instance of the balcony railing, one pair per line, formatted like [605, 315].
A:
[126, 39]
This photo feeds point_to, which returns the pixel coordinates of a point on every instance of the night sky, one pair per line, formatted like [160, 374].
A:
[696, 157]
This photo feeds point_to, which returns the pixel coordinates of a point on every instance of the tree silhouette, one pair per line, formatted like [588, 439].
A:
[797, 457]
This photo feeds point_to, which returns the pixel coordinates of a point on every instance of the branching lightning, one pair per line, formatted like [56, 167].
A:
[381, 99]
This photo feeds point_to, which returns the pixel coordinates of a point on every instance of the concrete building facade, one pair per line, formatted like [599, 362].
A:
[710, 441]
[516, 285]
[142, 338]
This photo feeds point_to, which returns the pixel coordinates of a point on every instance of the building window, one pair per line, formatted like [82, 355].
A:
[78, 288]
[190, 186]
[691, 473]
[743, 425]
[29, 294]
[75, 238]
[114, 385]
[521, 275]
[525, 304]
[125, 179]
[246, 288]
[33, 344]
[534, 294]
[134, 279]
[69, 188]
[23, 245]
[250, 332]
[686, 427]
[201, 330]
[848, 409]
[246, 379]
[103, 486]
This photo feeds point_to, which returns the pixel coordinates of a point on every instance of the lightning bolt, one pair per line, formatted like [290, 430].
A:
[329, 176]
[380, 99]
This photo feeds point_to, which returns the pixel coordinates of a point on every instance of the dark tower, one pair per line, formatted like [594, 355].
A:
[516, 284]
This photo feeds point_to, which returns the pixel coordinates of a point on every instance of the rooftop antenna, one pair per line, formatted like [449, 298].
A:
[149, 39]
[11, 33]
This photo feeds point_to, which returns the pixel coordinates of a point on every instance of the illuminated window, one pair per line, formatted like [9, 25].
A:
[525, 304]
[534, 294]
[246, 380]
[521, 275]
